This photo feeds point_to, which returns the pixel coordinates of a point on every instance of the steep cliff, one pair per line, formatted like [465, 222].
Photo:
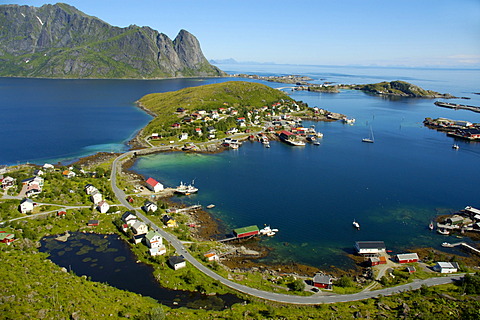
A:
[59, 41]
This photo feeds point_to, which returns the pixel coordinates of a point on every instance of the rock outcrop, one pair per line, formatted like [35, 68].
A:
[59, 41]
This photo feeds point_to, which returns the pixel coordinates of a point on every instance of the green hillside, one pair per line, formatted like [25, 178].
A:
[240, 95]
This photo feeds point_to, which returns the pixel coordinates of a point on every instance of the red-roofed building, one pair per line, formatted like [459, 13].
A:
[154, 185]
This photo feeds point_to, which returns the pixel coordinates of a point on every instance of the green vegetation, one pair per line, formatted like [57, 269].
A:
[242, 97]
[397, 88]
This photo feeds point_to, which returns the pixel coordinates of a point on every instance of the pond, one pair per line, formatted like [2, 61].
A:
[108, 259]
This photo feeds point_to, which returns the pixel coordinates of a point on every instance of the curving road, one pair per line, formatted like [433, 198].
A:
[277, 297]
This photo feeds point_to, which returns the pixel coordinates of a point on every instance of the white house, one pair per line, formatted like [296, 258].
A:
[139, 228]
[177, 262]
[150, 206]
[211, 256]
[8, 182]
[370, 247]
[128, 216]
[103, 206]
[48, 166]
[89, 189]
[26, 206]
[153, 239]
[183, 136]
[154, 185]
[158, 251]
[96, 197]
[446, 267]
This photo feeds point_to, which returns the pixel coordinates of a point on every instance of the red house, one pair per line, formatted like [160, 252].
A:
[374, 261]
[322, 281]
[407, 257]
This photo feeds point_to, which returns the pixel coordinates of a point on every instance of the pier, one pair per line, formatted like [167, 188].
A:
[457, 106]
[463, 244]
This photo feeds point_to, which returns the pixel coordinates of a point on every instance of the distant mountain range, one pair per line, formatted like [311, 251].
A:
[59, 41]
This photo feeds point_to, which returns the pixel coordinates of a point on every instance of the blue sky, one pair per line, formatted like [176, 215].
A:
[433, 33]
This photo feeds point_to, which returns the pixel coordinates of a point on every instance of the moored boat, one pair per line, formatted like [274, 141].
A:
[356, 225]
[186, 189]
[455, 146]
[430, 226]
[443, 231]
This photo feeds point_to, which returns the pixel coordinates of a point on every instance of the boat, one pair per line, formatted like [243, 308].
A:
[268, 231]
[348, 121]
[186, 189]
[210, 206]
[356, 225]
[316, 143]
[290, 138]
[370, 139]
[430, 226]
[443, 231]
[455, 146]
[267, 145]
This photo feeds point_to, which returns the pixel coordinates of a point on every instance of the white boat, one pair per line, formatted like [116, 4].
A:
[455, 146]
[443, 231]
[348, 121]
[430, 226]
[356, 225]
[210, 206]
[316, 143]
[186, 189]
[268, 231]
[370, 139]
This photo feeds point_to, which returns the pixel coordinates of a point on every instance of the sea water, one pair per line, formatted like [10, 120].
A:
[393, 187]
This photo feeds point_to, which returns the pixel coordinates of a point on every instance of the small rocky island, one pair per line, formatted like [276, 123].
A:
[393, 88]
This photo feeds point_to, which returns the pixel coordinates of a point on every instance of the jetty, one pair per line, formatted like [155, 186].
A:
[463, 244]
[456, 106]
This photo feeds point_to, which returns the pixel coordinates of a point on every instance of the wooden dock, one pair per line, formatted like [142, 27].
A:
[463, 244]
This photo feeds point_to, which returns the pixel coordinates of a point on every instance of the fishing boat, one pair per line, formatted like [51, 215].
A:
[430, 226]
[370, 139]
[186, 189]
[455, 146]
[356, 225]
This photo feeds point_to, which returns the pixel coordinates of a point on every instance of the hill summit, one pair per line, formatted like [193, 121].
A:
[59, 41]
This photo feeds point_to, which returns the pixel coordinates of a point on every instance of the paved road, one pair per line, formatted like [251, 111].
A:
[283, 298]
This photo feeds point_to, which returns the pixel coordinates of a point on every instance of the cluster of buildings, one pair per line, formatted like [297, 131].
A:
[97, 198]
[152, 239]
[455, 128]
[467, 219]
[201, 117]
[375, 252]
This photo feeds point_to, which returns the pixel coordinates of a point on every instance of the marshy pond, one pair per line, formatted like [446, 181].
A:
[108, 259]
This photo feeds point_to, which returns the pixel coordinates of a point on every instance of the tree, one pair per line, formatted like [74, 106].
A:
[345, 281]
[297, 285]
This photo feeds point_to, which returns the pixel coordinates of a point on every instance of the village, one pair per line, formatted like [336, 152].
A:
[375, 256]
[227, 126]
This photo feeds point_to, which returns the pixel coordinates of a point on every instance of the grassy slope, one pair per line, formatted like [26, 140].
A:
[209, 97]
